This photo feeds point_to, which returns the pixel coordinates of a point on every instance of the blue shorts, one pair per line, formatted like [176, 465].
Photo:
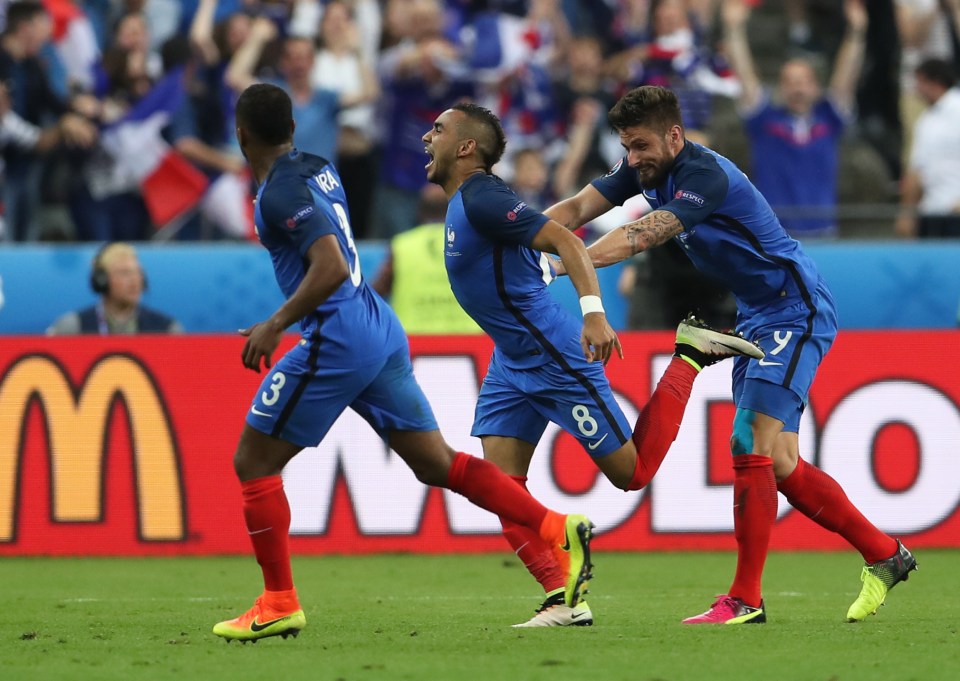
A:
[795, 339]
[519, 403]
[298, 402]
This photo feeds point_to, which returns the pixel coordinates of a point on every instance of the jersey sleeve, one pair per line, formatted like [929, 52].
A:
[698, 193]
[619, 184]
[496, 212]
[289, 209]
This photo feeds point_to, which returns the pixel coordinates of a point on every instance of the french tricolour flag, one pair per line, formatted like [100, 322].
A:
[170, 184]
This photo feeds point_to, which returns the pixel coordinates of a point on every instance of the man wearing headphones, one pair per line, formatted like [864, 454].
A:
[119, 280]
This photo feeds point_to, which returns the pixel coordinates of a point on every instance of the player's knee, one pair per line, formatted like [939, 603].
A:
[435, 475]
[741, 441]
[625, 483]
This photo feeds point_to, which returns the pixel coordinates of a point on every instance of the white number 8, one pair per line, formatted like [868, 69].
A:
[586, 423]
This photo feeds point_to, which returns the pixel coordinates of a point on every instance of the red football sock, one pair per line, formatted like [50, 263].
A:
[535, 553]
[820, 498]
[754, 512]
[267, 514]
[659, 420]
[490, 488]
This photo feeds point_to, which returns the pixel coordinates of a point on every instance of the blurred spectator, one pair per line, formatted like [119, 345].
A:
[31, 97]
[307, 18]
[930, 200]
[582, 158]
[216, 43]
[131, 32]
[924, 30]
[795, 143]
[531, 178]
[75, 43]
[582, 93]
[197, 131]
[315, 109]
[513, 65]
[342, 66]
[671, 52]
[117, 277]
[414, 276]
[421, 75]
[106, 204]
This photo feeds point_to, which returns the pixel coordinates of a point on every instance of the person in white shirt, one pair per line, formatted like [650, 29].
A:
[930, 194]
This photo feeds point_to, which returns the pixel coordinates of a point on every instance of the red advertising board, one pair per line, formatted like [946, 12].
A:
[123, 446]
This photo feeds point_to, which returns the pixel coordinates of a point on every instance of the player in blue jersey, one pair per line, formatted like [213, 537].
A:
[547, 365]
[352, 353]
[729, 232]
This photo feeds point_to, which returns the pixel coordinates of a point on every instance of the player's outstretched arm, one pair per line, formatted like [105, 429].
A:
[326, 271]
[598, 338]
[588, 204]
[627, 240]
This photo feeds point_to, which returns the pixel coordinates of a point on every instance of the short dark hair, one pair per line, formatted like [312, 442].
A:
[266, 112]
[649, 106]
[492, 141]
[937, 71]
[22, 12]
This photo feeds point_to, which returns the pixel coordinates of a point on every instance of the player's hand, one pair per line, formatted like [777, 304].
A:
[558, 267]
[262, 342]
[598, 339]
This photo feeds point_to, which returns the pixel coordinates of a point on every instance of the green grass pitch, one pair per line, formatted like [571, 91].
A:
[427, 618]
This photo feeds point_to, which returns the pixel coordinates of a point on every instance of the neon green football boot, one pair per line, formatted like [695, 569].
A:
[878, 578]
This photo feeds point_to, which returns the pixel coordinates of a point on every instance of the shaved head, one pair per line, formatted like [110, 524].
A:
[482, 125]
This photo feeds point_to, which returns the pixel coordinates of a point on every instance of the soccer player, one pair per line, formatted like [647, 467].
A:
[352, 353]
[546, 365]
[730, 232]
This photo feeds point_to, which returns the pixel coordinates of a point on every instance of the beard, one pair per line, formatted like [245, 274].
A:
[656, 177]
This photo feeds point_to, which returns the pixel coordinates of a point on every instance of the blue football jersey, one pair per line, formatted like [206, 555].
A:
[729, 230]
[300, 201]
[500, 280]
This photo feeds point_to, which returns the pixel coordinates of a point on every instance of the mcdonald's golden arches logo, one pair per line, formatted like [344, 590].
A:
[78, 423]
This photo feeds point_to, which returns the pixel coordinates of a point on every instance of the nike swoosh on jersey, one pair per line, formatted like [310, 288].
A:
[594, 445]
[765, 363]
[257, 412]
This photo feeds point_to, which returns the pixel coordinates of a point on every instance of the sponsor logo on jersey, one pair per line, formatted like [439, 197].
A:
[615, 168]
[689, 196]
[298, 217]
[512, 214]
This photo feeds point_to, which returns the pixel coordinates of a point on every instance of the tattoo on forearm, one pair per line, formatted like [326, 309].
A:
[652, 230]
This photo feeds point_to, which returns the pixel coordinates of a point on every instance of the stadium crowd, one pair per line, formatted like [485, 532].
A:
[117, 115]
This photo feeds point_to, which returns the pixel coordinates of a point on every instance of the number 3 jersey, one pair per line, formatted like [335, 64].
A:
[300, 201]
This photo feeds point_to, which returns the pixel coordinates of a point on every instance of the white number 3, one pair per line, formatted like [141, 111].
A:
[278, 380]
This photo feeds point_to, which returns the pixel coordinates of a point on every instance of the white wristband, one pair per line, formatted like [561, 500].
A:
[590, 304]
